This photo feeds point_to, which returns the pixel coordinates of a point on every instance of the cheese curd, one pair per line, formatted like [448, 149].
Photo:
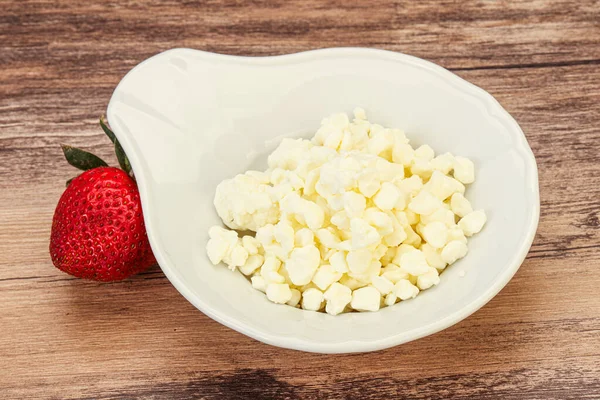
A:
[352, 220]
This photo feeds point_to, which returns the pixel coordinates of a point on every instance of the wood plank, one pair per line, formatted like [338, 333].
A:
[90, 41]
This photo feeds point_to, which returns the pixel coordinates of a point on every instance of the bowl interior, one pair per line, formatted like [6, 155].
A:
[189, 119]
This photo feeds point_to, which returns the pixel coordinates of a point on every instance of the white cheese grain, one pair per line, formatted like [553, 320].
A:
[393, 273]
[443, 186]
[363, 235]
[464, 170]
[425, 152]
[388, 196]
[460, 205]
[428, 279]
[359, 260]
[405, 290]
[253, 262]
[424, 203]
[382, 284]
[433, 256]
[473, 222]
[259, 283]
[302, 264]
[337, 297]
[454, 251]
[279, 293]
[435, 233]
[312, 299]
[366, 299]
[414, 263]
[295, 299]
[390, 299]
[325, 276]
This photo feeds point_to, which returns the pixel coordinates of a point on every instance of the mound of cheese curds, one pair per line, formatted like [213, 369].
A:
[353, 219]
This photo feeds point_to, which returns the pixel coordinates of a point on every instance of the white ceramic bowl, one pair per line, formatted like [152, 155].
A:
[189, 119]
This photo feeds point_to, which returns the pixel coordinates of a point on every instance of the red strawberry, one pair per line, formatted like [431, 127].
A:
[98, 230]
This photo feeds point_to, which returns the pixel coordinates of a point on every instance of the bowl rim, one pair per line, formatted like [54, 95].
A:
[297, 343]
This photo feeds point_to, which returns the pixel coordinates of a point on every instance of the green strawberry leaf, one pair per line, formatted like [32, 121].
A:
[122, 157]
[82, 159]
[107, 130]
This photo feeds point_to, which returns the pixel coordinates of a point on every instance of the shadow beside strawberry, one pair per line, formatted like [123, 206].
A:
[98, 229]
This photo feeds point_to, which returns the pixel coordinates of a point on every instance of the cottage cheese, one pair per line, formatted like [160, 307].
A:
[353, 219]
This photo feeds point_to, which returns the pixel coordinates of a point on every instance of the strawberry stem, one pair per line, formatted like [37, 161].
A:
[120, 153]
[84, 160]
[122, 157]
[107, 130]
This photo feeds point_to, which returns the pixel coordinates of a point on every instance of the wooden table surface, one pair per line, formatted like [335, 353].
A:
[61, 337]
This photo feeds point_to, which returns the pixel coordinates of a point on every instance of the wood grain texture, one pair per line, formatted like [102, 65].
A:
[65, 338]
